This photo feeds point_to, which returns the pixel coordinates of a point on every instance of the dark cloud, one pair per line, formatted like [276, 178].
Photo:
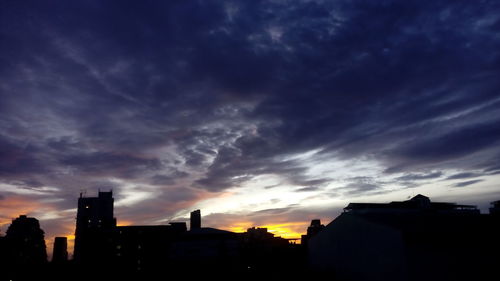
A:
[29, 183]
[467, 183]
[168, 179]
[19, 159]
[343, 85]
[252, 156]
[102, 185]
[455, 144]
[120, 165]
[234, 165]
[417, 177]
[271, 186]
[491, 165]
[274, 211]
[464, 175]
[359, 188]
[307, 189]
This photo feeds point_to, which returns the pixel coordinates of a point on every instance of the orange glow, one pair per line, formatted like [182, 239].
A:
[240, 226]
[290, 230]
[13, 207]
[16, 205]
[287, 230]
[124, 223]
[49, 242]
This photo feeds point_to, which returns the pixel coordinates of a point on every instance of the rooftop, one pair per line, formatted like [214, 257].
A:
[417, 203]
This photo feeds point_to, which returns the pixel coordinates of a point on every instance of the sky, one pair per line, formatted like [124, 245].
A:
[259, 113]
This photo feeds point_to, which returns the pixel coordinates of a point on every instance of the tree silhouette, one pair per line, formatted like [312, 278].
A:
[25, 240]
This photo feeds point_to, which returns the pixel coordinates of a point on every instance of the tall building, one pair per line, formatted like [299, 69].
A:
[195, 220]
[60, 253]
[95, 224]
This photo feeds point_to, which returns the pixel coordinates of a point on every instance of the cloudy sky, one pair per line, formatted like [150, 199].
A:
[259, 113]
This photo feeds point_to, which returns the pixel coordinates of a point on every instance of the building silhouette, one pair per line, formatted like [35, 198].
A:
[409, 240]
[419, 203]
[195, 220]
[60, 252]
[265, 253]
[495, 208]
[312, 230]
[95, 226]
[101, 246]
[416, 239]
[208, 250]
[3, 251]
[144, 248]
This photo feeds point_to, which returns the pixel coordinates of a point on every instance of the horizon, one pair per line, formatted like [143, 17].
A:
[261, 113]
[278, 230]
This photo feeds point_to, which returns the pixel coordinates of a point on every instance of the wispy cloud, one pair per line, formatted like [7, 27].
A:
[467, 183]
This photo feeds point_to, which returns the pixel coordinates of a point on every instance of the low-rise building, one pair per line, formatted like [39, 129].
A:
[410, 240]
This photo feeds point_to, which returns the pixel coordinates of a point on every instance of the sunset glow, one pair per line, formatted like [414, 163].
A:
[288, 230]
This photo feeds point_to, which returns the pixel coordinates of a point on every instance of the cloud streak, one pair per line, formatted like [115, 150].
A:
[467, 183]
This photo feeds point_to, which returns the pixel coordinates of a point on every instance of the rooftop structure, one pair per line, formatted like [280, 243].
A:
[417, 203]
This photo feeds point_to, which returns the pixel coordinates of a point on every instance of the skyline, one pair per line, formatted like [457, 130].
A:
[277, 112]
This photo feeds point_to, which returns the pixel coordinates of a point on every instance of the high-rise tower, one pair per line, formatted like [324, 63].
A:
[195, 219]
[94, 227]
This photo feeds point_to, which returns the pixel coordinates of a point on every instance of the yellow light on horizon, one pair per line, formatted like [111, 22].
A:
[124, 223]
[240, 227]
[291, 230]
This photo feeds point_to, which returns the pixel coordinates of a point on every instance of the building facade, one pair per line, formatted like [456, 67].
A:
[415, 239]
